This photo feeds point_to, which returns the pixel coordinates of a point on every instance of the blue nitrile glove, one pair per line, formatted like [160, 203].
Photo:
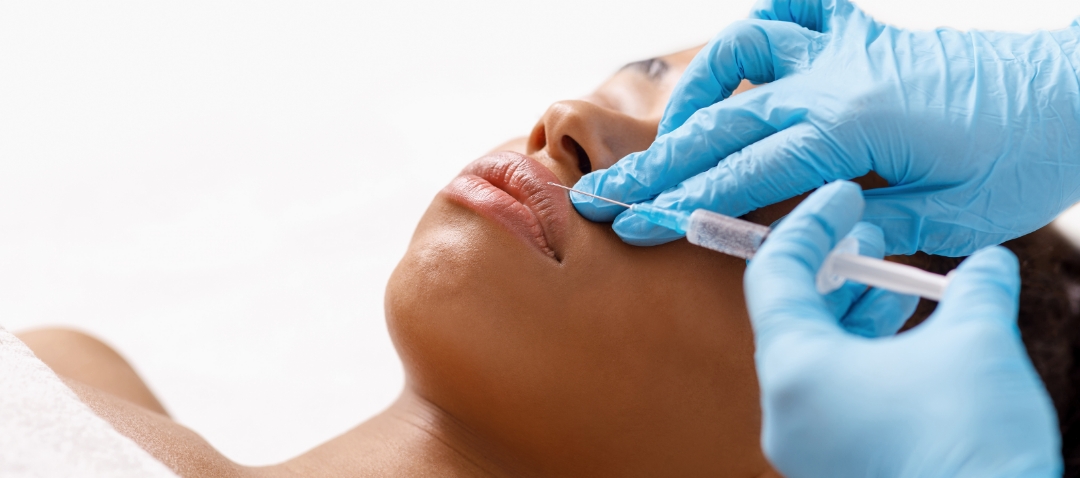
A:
[978, 133]
[870, 312]
[956, 396]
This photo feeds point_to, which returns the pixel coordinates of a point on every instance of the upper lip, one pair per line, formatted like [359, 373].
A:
[526, 180]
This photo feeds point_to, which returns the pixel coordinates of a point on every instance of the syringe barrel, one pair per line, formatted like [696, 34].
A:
[725, 234]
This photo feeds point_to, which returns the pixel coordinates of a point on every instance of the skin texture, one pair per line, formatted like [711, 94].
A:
[603, 359]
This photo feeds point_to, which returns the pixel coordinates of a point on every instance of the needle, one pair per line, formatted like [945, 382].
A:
[612, 201]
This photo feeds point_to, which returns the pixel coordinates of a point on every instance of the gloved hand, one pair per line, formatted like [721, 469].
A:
[978, 133]
[956, 396]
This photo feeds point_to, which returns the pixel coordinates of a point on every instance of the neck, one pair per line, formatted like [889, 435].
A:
[413, 437]
[410, 438]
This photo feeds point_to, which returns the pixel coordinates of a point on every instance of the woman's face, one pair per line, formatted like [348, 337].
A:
[544, 334]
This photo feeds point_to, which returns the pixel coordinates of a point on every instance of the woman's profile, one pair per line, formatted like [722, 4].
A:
[536, 343]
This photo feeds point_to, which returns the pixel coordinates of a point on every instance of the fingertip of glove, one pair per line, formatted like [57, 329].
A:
[635, 230]
[596, 210]
[834, 193]
[871, 239]
[843, 188]
[995, 261]
[591, 208]
[988, 280]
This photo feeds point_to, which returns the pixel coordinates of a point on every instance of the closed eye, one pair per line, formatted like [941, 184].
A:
[653, 68]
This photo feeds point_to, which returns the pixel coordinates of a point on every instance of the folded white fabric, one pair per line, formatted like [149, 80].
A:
[46, 431]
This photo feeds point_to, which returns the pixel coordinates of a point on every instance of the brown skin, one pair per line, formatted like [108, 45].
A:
[612, 361]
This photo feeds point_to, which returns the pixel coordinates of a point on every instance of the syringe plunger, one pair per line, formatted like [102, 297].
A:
[742, 239]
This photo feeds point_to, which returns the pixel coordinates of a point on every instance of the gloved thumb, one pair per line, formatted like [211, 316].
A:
[986, 286]
[781, 296]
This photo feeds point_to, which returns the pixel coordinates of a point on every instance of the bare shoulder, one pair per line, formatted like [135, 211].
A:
[111, 388]
[401, 441]
[179, 448]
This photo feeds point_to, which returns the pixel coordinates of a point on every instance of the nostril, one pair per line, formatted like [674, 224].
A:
[537, 139]
[583, 162]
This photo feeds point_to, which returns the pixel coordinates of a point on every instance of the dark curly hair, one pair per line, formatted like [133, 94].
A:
[1049, 322]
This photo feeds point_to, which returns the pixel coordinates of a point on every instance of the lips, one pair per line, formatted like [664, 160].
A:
[511, 189]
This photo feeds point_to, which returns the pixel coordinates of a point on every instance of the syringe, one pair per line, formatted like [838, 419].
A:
[741, 238]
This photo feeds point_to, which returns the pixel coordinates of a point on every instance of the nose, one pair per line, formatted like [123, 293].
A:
[585, 137]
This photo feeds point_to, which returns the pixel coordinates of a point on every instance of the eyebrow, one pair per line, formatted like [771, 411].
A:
[653, 68]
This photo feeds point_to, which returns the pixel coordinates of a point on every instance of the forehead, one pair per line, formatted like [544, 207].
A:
[642, 88]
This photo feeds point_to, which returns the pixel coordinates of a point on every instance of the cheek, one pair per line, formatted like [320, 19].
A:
[662, 336]
[504, 338]
[664, 298]
[630, 135]
[469, 303]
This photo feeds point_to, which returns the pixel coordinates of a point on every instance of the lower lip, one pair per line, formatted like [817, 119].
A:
[497, 205]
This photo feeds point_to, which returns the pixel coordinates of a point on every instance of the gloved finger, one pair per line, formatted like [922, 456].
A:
[756, 50]
[891, 209]
[823, 16]
[986, 287]
[781, 166]
[871, 244]
[873, 312]
[879, 313]
[815, 15]
[710, 135]
[811, 14]
[635, 230]
[870, 312]
[781, 295]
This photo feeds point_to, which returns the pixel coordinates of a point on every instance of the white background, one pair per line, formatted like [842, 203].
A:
[221, 189]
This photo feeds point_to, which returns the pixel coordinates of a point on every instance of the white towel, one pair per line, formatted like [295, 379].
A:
[46, 431]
